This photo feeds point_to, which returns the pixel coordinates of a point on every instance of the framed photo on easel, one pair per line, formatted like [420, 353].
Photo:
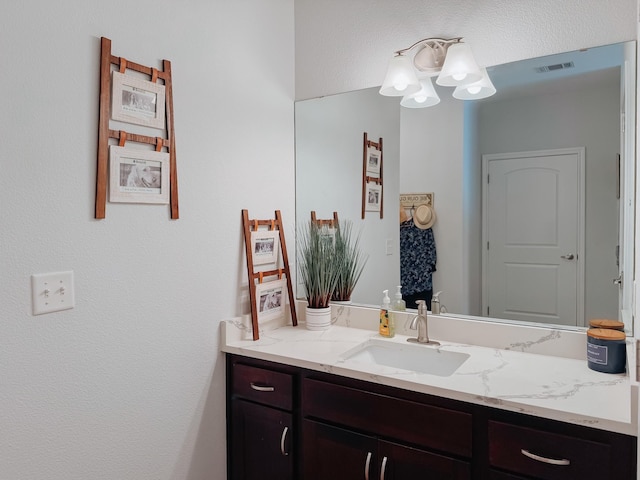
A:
[270, 299]
[265, 246]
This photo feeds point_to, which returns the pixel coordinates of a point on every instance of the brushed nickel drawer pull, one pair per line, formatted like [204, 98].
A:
[366, 466]
[551, 461]
[383, 468]
[261, 388]
[282, 439]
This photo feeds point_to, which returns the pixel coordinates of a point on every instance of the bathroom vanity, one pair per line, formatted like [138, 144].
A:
[303, 405]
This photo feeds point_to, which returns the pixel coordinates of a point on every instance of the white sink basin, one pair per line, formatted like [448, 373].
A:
[412, 357]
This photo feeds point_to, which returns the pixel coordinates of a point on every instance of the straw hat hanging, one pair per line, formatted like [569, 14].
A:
[424, 217]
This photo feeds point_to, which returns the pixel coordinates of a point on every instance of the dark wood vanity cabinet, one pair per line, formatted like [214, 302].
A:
[318, 426]
[260, 434]
[335, 453]
[385, 436]
[541, 449]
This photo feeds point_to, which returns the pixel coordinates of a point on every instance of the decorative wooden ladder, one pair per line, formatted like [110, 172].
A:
[370, 179]
[105, 133]
[273, 224]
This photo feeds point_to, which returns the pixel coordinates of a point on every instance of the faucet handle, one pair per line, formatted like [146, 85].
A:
[422, 307]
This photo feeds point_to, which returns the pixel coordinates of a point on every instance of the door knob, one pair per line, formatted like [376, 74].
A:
[567, 257]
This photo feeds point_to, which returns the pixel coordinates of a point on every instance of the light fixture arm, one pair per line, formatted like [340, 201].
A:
[431, 41]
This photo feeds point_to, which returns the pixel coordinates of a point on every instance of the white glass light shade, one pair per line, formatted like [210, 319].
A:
[425, 97]
[460, 68]
[401, 78]
[474, 91]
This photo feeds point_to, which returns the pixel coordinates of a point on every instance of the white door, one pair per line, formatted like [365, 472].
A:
[533, 216]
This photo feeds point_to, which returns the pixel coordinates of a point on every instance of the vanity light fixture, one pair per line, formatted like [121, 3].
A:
[450, 60]
[474, 91]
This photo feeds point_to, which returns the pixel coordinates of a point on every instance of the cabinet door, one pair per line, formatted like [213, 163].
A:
[496, 475]
[260, 443]
[398, 462]
[331, 453]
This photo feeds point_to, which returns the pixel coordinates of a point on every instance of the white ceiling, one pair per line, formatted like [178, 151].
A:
[346, 45]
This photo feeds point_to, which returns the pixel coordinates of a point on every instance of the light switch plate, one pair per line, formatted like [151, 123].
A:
[389, 246]
[52, 292]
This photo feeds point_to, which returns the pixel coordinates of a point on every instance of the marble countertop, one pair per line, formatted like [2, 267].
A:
[543, 385]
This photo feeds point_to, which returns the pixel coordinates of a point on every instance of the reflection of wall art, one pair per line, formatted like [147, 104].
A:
[372, 173]
[270, 299]
[137, 101]
[373, 197]
[264, 246]
[373, 162]
[138, 176]
[327, 233]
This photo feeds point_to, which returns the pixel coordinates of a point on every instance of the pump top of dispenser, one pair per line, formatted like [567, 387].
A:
[386, 301]
[398, 303]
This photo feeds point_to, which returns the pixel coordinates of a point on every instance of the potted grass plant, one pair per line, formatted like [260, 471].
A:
[350, 261]
[318, 272]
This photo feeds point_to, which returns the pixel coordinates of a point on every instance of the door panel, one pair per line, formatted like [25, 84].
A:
[533, 244]
[331, 453]
[262, 448]
[399, 462]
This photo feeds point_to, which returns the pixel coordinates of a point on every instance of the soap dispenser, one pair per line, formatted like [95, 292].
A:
[435, 303]
[399, 305]
[387, 327]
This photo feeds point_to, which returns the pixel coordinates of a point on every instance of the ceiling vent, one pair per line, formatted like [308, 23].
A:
[555, 67]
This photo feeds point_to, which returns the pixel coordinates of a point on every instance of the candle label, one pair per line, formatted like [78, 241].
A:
[597, 354]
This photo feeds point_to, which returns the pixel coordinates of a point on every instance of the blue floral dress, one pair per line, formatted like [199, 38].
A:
[417, 259]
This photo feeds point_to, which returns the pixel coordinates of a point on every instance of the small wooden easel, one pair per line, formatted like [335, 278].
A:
[248, 227]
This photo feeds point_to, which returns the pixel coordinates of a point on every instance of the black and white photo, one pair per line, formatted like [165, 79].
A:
[373, 197]
[138, 176]
[373, 162]
[264, 246]
[138, 101]
[270, 299]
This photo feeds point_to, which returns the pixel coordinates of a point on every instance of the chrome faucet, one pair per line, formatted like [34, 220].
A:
[419, 322]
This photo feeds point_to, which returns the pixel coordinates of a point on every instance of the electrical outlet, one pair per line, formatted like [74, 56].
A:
[52, 292]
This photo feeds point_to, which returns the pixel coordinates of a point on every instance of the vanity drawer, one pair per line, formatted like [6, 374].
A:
[417, 423]
[262, 385]
[546, 455]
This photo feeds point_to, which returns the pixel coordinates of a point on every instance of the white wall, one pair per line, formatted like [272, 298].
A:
[431, 148]
[130, 384]
[344, 46]
[329, 147]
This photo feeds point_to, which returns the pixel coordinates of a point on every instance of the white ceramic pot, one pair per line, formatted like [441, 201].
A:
[318, 318]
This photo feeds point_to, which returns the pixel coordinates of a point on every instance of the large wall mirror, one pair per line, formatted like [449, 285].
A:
[576, 107]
